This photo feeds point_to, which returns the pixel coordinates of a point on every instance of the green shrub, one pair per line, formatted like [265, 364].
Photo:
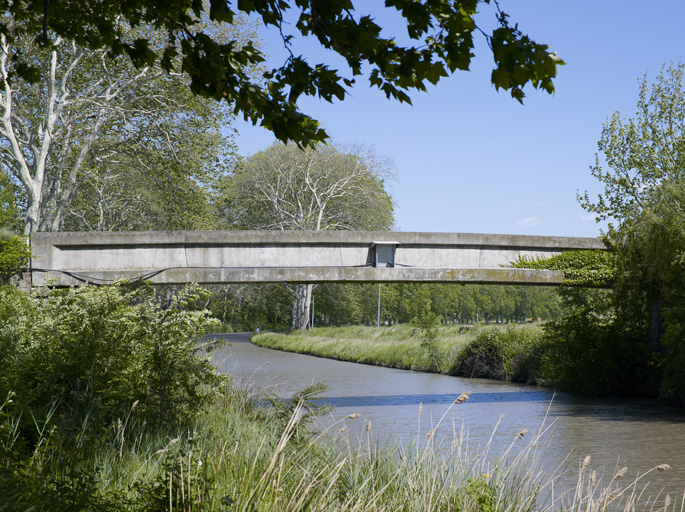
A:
[93, 355]
[14, 255]
[512, 354]
[593, 350]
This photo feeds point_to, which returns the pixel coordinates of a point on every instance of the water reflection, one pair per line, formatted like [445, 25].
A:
[611, 409]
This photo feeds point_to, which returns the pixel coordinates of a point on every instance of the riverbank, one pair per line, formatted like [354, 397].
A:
[239, 456]
[511, 352]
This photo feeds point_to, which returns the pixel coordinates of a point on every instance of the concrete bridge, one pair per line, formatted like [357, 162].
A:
[209, 257]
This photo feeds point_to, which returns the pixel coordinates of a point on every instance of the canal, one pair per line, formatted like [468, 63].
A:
[615, 433]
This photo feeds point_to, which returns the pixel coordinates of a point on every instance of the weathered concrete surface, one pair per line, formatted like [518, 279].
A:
[292, 256]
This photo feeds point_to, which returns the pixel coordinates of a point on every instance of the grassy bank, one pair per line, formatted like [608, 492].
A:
[497, 352]
[240, 457]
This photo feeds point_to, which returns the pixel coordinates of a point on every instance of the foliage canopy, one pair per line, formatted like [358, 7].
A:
[642, 152]
[327, 188]
[441, 34]
[85, 142]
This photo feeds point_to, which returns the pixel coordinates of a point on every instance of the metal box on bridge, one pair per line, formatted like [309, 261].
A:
[384, 253]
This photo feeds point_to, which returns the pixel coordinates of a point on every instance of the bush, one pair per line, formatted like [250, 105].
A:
[512, 354]
[86, 357]
[14, 255]
[593, 350]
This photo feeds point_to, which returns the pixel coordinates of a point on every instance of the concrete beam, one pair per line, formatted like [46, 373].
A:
[67, 259]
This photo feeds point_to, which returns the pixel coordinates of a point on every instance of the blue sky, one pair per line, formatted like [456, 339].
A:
[471, 159]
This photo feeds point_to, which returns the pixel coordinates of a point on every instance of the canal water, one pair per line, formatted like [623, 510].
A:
[615, 433]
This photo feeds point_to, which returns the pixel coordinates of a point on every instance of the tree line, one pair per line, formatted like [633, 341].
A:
[248, 307]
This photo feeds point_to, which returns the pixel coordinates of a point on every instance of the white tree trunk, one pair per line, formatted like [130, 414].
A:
[301, 306]
[46, 145]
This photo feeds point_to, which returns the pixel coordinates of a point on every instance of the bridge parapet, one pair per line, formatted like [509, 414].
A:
[172, 257]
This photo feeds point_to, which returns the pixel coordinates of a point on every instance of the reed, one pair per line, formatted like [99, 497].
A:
[239, 456]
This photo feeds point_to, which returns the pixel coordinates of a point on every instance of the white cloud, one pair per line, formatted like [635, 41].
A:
[541, 204]
[518, 203]
[530, 221]
[588, 218]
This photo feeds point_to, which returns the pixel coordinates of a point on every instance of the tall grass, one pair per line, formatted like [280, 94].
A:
[241, 457]
[398, 346]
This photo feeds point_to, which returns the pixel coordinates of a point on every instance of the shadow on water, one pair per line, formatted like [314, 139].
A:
[619, 410]
[427, 399]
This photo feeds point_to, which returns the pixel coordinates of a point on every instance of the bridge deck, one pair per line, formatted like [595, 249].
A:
[175, 257]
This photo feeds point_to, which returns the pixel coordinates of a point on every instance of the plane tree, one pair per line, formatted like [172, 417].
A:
[91, 118]
[286, 188]
[327, 188]
[156, 173]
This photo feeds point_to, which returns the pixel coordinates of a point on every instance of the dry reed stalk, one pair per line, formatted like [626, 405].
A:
[265, 477]
[463, 397]
[599, 499]
[182, 482]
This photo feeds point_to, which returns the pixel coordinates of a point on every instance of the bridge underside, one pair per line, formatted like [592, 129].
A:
[66, 259]
[213, 275]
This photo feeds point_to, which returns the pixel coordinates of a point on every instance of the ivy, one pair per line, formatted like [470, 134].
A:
[588, 268]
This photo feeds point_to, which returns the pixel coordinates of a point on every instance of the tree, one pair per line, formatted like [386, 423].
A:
[329, 188]
[91, 113]
[644, 190]
[441, 34]
[651, 284]
[645, 158]
[159, 176]
[643, 152]
[286, 188]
